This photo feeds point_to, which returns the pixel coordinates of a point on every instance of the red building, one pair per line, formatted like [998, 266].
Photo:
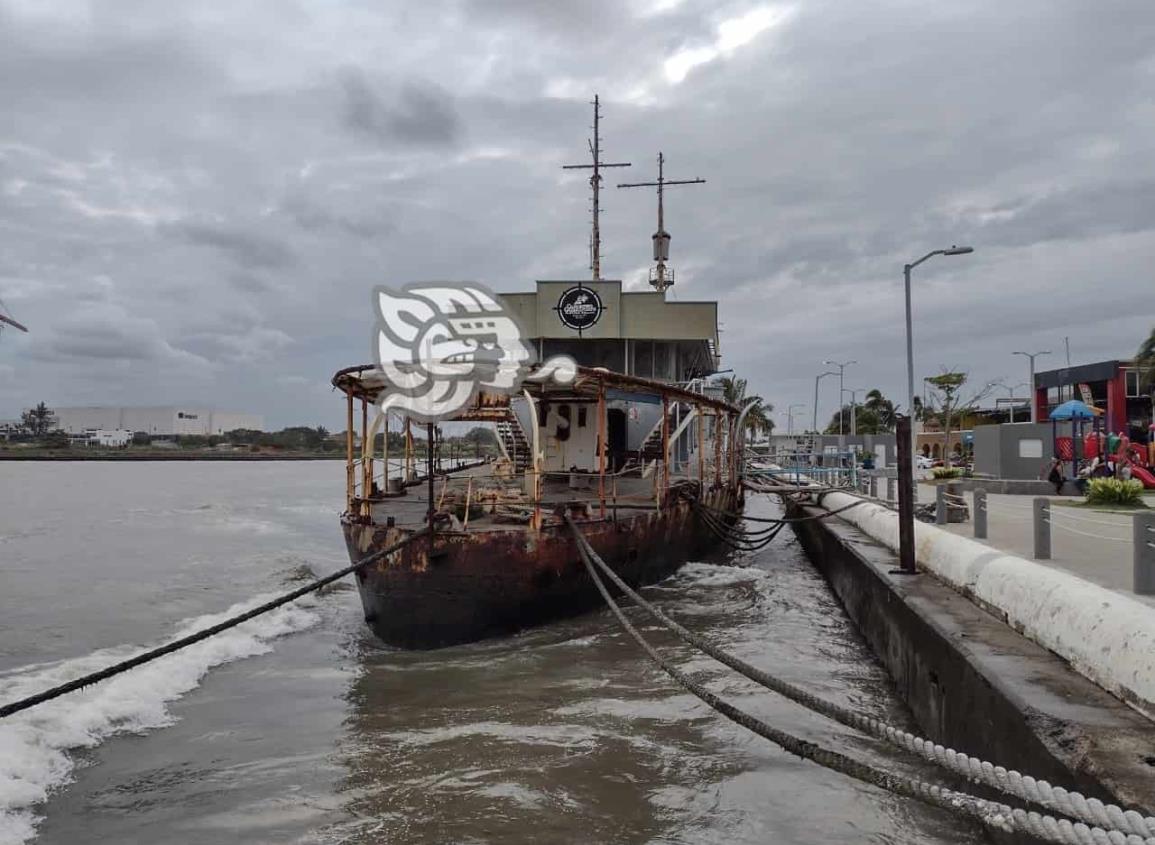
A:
[1110, 386]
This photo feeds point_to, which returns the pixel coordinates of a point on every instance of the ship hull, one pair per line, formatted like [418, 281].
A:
[467, 586]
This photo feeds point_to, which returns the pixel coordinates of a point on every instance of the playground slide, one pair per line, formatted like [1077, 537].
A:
[1143, 475]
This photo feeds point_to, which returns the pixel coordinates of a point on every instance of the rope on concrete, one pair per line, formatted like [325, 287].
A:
[989, 813]
[176, 645]
[1058, 524]
[1025, 787]
[1064, 512]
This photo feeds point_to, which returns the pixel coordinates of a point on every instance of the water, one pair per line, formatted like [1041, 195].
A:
[300, 727]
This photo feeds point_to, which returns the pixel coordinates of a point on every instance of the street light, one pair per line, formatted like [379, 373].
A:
[854, 391]
[790, 414]
[954, 250]
[817, 379]
[841, 366]
[1031, 398]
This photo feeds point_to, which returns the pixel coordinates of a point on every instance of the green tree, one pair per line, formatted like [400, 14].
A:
[947, 404]
[874, 416]
[1145, 361]
[758, 417]
[39, 420]
[883, 410]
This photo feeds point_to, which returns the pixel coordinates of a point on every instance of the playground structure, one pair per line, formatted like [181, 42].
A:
[1082, 445]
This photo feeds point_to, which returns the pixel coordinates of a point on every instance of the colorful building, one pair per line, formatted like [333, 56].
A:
[1113, 387]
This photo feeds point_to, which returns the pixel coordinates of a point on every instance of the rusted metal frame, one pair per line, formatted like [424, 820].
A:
[410, 463]
[429, 471]
[366, 459]
[701, 448]
[349, 491]
[717, 448]
[665, 448]
[602, 451]
[589, 378]
[468, 496]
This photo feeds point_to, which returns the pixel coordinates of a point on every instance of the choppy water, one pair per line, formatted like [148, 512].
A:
[301, 728]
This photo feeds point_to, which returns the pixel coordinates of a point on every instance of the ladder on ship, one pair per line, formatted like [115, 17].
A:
[513, 442]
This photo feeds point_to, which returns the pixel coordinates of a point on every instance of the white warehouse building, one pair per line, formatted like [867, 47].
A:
[158, 421]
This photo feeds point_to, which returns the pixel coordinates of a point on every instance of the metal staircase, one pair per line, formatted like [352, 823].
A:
[514, 444]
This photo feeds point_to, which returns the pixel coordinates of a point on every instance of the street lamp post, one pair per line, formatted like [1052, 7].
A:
[954, 250]
[790, 413]
[1031, 398]
[817, 379]
[841, 366]
[854, 391]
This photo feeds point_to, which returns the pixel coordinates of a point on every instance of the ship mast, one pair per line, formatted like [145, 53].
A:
[661, 277]
[6, 320]
[595, 186]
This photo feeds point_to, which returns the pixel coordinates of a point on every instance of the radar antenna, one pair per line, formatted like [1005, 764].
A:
[595, 185]
[661, 276]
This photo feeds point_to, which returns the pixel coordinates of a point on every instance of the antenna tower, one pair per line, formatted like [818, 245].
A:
[661, 276]
[595, 186]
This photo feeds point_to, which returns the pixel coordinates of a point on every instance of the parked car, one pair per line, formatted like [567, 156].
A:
[924, 462]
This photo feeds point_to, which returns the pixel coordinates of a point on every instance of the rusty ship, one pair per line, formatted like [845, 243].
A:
[629, 449]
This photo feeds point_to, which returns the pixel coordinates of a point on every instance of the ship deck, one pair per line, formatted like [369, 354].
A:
[501, 503]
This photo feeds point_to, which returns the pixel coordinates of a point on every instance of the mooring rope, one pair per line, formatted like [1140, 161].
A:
[1037, 791]
[183, 642]
[737, 539]
[989, 813]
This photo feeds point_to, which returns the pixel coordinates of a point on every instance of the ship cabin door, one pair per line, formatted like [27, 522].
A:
[616, 440]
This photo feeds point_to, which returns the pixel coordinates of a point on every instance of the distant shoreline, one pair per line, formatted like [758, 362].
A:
[165, 456]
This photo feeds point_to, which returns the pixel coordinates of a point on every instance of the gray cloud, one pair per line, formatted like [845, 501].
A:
[215, 195]
[248, 249]
[418, 113]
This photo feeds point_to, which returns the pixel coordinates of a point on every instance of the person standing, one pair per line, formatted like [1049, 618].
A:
[1055, 476]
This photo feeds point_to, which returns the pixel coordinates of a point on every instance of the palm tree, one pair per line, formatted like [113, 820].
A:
[882, 408]
[758, 417]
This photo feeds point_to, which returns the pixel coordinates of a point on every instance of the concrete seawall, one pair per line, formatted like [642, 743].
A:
[975, 684]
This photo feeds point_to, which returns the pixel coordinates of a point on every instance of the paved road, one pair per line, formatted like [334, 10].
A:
[1093, 545]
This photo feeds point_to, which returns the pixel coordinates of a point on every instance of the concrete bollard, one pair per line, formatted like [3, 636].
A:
[940, 505]
[980, 507]
[1144, 551]
[872, 489]
[891, 483]
[1042, 513]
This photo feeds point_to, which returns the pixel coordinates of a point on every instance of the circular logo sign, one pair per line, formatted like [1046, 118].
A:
[579, 308]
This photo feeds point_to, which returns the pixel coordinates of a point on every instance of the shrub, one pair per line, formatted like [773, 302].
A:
[947, 472]
[1114, 491]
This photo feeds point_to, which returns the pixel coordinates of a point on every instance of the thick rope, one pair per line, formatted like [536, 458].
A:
[1025, 787]
[183, 642]
[736, 539]
[989, 813]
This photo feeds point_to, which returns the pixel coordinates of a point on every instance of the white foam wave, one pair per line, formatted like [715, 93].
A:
[34, 744]
[714, 575]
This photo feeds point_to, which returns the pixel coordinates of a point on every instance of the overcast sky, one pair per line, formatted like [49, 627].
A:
[196, 198]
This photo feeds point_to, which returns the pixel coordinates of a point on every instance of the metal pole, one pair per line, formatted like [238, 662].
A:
[905, 498]
[1034, 411]
[429, 469]
[909, 372]
[814, 427]
[1144, 551]
[980, 514]
[1042, 526]
[841, 393]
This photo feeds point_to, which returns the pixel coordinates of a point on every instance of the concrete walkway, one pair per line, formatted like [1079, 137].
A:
[1094, 546]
